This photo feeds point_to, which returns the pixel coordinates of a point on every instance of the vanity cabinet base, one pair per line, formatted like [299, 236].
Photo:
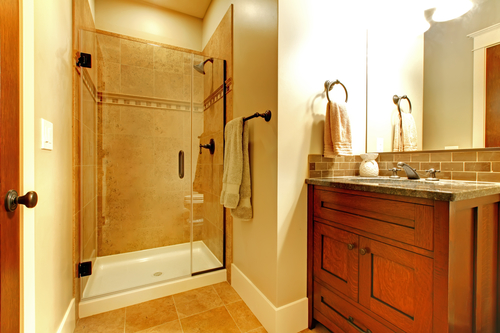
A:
[439, 275]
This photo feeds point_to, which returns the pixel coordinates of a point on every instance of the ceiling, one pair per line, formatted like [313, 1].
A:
[196, 8]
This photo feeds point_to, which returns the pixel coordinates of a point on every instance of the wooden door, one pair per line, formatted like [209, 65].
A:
[336, 259]
[9, 165]
[396, 285]
[492, 137]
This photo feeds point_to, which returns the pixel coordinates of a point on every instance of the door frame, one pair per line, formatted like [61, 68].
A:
[482, 40]
[27, 142]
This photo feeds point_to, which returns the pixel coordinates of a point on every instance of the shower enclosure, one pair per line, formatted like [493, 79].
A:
[151, 141]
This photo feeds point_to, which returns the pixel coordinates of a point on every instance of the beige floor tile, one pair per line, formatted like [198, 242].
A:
[243, 316]
[150, 314]
[196, 301]
[258, 330]
[226, 292]
[171, 327]
[108, 322]
[213, 321]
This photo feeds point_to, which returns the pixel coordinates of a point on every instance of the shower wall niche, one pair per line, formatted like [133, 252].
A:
[151, 105]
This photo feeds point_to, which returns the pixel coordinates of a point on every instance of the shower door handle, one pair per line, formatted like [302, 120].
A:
[181, 164]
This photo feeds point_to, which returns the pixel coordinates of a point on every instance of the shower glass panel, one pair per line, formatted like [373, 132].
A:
[208, 127]
[148, 225]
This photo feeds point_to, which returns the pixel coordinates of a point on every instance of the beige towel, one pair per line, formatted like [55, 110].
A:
[338, 139]
[405, 133]
[233, 164]
[244, 209]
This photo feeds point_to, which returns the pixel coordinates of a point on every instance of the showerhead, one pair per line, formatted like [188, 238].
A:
[200, 67]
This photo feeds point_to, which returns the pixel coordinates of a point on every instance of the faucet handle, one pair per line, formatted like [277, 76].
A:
[432, 174]
[394, 173]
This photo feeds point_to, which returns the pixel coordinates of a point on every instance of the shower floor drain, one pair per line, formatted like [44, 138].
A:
[157, 274]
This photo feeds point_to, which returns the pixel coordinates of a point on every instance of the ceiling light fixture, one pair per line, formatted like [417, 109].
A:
[450, 9]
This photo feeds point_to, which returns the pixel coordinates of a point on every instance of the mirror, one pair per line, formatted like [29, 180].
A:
[436, 71]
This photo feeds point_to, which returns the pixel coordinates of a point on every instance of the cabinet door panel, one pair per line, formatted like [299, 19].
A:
[396, 285]
[336, 259]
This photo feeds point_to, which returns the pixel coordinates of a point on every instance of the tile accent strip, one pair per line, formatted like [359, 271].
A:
[217, 94]
[472, 165]
[148, 102]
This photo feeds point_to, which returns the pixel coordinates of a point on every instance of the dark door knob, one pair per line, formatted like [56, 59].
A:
[12, 199]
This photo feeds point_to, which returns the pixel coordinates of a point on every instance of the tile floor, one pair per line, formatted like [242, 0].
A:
[215, 308]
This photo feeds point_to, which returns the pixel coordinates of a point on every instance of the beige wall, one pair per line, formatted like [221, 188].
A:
[448, 76]
[310, 52]
[53, 175]
[255, 57]
[271, 249]
[142, 20]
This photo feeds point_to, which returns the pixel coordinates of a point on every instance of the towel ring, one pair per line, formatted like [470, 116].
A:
[329, 86]
[397, 100]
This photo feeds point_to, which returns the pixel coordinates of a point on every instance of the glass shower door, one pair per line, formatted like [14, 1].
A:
[208, 129]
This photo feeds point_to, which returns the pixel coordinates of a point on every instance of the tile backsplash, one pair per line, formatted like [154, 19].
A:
[473, 165]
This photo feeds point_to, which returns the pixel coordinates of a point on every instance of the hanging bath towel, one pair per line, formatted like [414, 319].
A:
[338, 138]
[244, 209]
[405, 133]
[233, 164]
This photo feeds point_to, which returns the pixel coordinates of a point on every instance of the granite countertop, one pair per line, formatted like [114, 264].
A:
[443, 190]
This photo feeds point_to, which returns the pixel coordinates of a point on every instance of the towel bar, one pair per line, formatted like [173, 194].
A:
[266, 115]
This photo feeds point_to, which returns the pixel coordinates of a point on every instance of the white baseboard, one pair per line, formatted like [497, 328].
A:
[288, 318]
[68, 323]
[98, 305]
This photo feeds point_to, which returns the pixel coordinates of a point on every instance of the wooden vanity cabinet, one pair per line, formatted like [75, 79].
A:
[386, 263]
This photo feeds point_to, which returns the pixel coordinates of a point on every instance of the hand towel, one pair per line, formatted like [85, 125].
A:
[233, 164]
[244, 210]
[405, 133]
[338, 139]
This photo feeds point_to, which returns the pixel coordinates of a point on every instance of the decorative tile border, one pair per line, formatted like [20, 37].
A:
[472, 165]
[147, 102]
[217, 94]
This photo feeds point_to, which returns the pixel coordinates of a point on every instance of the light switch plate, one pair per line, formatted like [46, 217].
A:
[380, 144]
[47, 135]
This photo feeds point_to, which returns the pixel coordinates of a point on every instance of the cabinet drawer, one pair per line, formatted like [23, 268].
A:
[342, 314]
[406, 222]
[336, 259]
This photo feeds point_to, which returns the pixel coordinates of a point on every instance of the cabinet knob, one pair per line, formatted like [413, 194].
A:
[350, 246]
[363, 251]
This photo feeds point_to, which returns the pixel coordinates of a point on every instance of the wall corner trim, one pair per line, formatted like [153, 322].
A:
[68, 324]
[288, 318]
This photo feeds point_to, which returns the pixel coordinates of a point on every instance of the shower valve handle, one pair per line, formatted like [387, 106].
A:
[210, 146]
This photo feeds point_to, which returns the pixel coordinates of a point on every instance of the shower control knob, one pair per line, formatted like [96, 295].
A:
[210, 146]
[12, 199]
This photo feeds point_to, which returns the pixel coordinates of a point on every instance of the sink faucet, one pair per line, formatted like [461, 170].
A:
[410, 172]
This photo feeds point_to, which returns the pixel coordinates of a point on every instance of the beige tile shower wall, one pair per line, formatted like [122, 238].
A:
[472, 165]
[141, 197]
[220, 46]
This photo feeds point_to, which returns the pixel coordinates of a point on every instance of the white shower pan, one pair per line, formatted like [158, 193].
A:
[130, 278]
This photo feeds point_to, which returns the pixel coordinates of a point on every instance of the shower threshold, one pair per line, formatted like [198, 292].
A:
[136, 269]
